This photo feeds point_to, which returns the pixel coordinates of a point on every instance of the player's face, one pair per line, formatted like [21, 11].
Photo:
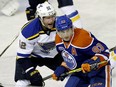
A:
[49, 21]
[66, 34]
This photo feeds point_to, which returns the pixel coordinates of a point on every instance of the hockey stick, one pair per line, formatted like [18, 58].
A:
[8, 46]
[113, 48]
[47, 77]
[79, 69]
[75, 70]
[92, 66]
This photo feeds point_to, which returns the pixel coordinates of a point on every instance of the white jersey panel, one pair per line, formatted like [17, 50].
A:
[43, 46]
[24, 45]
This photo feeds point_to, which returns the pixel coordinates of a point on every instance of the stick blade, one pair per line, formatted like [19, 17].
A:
[113, 48]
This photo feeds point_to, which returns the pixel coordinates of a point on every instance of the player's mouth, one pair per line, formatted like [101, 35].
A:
[50, 25]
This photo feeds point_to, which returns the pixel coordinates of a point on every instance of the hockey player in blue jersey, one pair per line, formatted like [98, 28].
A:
[66, 7]
[80, 48]
[37, 39]
[36, 47]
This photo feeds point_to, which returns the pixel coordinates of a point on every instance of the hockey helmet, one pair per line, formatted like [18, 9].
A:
[63, 23]
[45, 9]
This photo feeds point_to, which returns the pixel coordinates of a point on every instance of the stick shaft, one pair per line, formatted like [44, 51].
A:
[47, 77]
[8, 46]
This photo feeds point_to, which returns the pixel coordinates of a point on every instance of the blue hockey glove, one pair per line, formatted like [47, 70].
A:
[57, 73]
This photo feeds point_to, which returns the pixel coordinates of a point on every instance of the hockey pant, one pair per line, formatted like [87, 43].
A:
[51, 63]
[102, 79]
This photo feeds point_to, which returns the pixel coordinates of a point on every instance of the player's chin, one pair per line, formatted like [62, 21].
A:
[50, 26]
[66, 39]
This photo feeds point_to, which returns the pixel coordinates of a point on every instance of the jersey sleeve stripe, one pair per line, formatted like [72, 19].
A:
[74, 16]
[23, 55]
[103, 56]
[33, 37]
[25, 25]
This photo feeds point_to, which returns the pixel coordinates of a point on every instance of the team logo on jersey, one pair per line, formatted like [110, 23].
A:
[46, 47]
[61, 48]
[69, 59]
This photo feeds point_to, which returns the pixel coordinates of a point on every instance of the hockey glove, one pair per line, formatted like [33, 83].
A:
[91, 64]
[31, 74]
[35, 78]
[57, 73]
[30, 13]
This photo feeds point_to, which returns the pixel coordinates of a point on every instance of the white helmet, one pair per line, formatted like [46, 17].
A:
[45, 9]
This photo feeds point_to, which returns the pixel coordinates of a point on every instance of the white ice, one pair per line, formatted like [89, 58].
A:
[98, 16]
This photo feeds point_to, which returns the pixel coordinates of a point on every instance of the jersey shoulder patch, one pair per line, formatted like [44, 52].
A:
[82, 38]
[31, 29]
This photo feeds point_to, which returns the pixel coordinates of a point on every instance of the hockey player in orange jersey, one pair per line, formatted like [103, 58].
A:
[80, 48]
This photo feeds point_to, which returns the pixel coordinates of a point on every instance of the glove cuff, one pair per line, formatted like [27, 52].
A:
[60, 68]
[98, 59]
[54, 77]
[57, 73]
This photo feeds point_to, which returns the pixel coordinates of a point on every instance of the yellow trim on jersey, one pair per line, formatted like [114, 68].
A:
[30, 38]
[53, 29]
[41, 32]
[34, 36]
[17, 57]
[75, 18]
[25, 25]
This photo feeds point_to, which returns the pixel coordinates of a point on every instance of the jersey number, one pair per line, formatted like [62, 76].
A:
[98, 48]
[22, 45]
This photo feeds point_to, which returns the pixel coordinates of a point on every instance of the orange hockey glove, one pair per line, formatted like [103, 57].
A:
[85, 67]
[92, 64]
[54, 77]
[57, 73]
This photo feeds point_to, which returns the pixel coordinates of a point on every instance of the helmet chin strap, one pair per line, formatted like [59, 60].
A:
[41, 19]
[43, 25]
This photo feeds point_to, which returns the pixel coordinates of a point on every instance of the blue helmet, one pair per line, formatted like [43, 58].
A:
[63, 23]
